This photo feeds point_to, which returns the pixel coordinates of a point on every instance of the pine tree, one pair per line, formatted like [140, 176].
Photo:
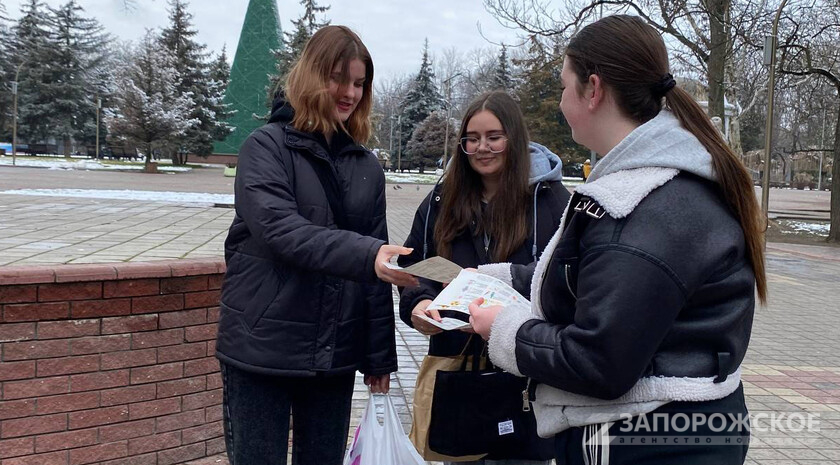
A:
[423, 98]
[149, 112]
[294, 42]
[192, 65]
[539, 98]
[5, 78]
[30, 47]
[426, 145]
[80, 47]
[502, 79]
[219, 78]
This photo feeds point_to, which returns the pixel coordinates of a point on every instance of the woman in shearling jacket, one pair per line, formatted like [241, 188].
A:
[643, 302]
[306, 299]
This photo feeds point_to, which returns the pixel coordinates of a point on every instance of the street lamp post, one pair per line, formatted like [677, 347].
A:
[822, 148]
[768, 131]
[98, 109]
[399, 144]
[14, 123]
[391, 133]
[15, 113]
[448, 83]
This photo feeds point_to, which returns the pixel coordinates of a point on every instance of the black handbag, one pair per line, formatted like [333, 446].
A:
[485, 412]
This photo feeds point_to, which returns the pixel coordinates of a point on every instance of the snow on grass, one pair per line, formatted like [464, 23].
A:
[412, 178]
[83, 165]
[145, 196]
[820, 229]
[431, 178]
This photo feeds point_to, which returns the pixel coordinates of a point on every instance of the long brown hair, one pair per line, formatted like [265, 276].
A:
[307, 85]
[506, 216]
[631, 59]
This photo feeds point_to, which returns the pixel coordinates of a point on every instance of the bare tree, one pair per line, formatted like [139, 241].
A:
[811, 49]
[704, 33]
[386, 107]
[479, 66]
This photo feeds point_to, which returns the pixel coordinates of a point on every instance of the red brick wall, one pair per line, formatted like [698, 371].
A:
[110, 364]
[217, 158]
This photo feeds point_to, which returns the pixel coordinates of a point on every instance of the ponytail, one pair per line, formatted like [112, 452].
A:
[734, 179]
[630, 56]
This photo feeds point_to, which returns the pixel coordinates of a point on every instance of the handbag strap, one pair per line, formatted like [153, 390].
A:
[478, 353]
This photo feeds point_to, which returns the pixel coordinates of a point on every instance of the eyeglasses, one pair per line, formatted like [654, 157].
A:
[495, 143]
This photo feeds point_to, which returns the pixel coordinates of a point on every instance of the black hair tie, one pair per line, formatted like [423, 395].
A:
[664, 85]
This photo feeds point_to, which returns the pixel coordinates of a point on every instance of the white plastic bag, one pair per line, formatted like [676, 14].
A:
[381, 444]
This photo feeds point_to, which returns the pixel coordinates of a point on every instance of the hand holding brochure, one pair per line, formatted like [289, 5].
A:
[436, 269]
[453, 303]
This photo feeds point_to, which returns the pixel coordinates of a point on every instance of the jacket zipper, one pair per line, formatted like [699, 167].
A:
[568, 285]
[526, 401]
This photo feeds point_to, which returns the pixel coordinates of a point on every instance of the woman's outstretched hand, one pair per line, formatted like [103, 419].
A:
[482, 319]
[388, 275]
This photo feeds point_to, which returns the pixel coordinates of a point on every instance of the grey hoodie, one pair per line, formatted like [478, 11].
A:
[545, 165]
[661, 142]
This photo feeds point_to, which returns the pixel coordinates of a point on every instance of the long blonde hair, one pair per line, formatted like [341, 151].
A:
[307, 85]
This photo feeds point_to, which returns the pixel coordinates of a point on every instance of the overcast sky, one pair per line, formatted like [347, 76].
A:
[393, 30]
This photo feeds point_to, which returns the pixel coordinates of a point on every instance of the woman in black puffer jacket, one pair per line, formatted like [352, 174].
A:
[306, 300]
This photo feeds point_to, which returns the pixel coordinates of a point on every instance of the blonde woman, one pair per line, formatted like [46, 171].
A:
[306, 300]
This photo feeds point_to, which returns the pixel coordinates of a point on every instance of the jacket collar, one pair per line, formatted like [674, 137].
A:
[316, 144]
[620, 192]
[651, 155]
[282, 113]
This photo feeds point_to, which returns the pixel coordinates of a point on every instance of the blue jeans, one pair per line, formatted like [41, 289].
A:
[256, 412]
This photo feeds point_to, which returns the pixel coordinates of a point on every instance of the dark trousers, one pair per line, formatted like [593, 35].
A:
[256, 412]
[700, 444]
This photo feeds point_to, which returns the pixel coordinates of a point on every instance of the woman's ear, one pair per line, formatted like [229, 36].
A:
[595, 91]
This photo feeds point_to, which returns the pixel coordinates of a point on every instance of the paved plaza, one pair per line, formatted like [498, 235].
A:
[792, 367]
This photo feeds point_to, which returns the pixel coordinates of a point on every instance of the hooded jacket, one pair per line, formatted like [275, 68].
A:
[550, 196]
[300, 296]
[644, 296]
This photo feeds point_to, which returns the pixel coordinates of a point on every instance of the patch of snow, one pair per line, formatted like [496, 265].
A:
[415, 178]
[430, 178]
[84, 164]
[146, 196]
[820, 229]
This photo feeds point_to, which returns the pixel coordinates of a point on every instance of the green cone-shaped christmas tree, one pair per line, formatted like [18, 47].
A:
[249, 76]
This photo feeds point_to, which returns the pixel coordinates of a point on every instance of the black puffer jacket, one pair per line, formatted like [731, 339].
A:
[300, 296]
[468, 252]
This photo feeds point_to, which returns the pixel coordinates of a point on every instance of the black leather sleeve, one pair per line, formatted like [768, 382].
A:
[627, 303]
[521, 276]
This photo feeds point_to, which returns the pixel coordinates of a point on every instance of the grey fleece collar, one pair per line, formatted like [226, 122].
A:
[661, 142]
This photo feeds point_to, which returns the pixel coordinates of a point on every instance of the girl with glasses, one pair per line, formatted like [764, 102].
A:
[500, 200]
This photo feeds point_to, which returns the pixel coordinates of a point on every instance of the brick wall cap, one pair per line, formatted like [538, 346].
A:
[41, 274]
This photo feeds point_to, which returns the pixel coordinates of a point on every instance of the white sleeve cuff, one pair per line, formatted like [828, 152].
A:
[502, 343]
[499, 271]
